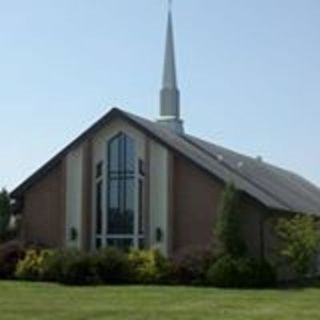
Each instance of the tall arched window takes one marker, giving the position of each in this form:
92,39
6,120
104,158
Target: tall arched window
121,173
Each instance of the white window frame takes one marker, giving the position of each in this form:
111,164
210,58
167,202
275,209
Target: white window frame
104,237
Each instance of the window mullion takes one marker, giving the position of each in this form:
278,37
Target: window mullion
122,192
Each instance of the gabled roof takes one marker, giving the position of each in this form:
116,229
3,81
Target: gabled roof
273,187
293,191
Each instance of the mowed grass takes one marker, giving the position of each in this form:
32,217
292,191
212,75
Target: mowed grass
48,301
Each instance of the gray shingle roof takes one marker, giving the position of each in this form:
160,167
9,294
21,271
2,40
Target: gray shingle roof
295,192
272,186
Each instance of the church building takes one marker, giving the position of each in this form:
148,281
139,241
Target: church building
131,182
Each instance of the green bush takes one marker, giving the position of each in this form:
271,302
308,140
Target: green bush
191,265
29,267
230,272
223,273
112,266
143,266
78,268
75,267
260,274
149,266
300,239
71,267
52,266
165,269
10,254
228,226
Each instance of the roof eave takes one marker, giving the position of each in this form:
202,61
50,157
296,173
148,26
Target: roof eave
26,184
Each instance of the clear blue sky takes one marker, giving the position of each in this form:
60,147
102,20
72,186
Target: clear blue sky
248,70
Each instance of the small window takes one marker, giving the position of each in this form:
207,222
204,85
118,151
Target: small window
141,167
99,169
140,205
99,208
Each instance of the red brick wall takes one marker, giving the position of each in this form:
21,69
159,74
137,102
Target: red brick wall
196,200
43,217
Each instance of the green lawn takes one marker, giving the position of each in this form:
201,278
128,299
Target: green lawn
46,301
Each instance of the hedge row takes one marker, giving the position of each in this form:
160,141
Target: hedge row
111,266
108,266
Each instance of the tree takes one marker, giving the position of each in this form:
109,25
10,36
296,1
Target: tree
227,229
300,240
5,211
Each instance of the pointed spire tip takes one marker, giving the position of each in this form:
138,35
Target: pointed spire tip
169,72
169,94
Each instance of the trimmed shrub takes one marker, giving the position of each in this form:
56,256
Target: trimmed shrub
143,266
112,266
165,269
191,265
300,239
150,266
74,267
71,267
52,266
10,254
230,272
260,274
223,273
78,268
29,267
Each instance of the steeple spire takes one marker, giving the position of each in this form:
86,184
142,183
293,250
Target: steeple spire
170,95
169,71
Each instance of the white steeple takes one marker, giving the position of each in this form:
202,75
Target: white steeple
170,95
169,72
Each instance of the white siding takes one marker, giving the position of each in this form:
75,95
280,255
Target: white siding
100,154
101,139
74,177
159,204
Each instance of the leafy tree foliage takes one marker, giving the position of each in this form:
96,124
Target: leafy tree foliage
300,238
5,211
227,229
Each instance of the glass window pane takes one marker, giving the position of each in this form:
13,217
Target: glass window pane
129,185
113,198
98,243
99,208
141,167
113,207
121,187
121,207
141,220
121,161
114,154
130,155
124,244
141,244
99,169
128,223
